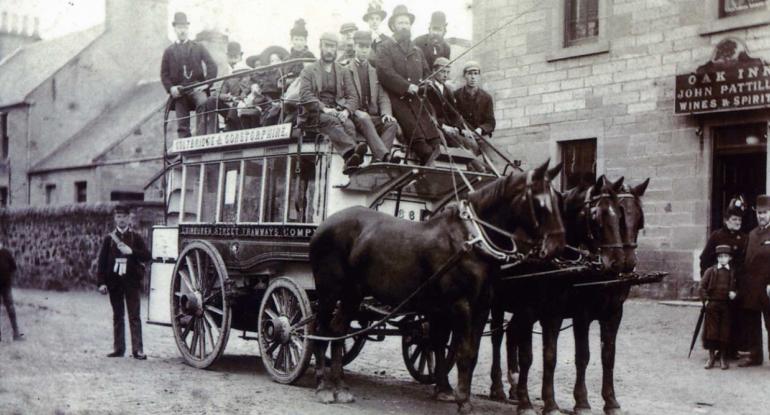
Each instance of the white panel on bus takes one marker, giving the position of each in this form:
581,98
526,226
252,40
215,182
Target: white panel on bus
165,242
159,310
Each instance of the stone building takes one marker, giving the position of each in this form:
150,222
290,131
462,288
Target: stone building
677,91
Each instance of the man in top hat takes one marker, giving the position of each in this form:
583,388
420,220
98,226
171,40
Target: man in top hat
119,273
374,118
326,88
347,30
7,270
754,287
433,44
299,47
373,18
401,67
186,62
230,95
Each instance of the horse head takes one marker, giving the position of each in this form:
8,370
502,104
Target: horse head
630,202
539,207
593,220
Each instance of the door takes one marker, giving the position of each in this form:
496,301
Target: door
740,160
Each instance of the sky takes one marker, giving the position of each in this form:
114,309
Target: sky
256,24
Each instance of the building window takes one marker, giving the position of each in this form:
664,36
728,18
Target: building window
3,196
581,21
733,7
579,157
126,196
81,191
50,194
4,135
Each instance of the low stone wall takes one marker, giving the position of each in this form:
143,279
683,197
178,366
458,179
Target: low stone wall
56,248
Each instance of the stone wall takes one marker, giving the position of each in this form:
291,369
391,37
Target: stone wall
56,248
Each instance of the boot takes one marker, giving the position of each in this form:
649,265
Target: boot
712,359
723,360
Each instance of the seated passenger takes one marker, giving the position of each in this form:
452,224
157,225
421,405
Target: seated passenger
373,17
298,47
327,89
374,118
348,51
250,108
232,93
477,109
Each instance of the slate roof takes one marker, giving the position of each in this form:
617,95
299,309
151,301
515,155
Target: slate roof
109,128
28,67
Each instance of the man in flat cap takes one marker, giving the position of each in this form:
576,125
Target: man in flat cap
477,108
326,88
186,62
299,47
401,67
348,51
433,44
119,273
754,287
374,118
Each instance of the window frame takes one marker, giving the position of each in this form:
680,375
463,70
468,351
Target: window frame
4,139
714,22
560,51
78,190
564,144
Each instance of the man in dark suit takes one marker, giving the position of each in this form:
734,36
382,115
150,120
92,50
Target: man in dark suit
754,287
186,62
326,88
373,17
401,67
120,273
374,118
433,44
7,270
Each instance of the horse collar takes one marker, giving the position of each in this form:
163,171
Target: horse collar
478,237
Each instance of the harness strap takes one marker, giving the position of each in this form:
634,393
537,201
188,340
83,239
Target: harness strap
479,237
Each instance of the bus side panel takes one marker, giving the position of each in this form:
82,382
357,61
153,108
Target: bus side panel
165,249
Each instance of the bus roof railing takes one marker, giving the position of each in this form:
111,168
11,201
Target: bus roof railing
241,74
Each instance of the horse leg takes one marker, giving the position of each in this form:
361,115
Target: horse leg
470,322
512,357
439,337
497,392
324,391
609,332
524,337
580,326
551,327
341,324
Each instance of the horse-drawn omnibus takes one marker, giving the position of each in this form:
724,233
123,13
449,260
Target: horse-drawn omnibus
241,207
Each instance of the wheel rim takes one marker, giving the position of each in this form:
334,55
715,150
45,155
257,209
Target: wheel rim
284,348
200,309
419,358
351,347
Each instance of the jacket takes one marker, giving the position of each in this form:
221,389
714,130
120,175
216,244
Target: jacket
756,269
432,50
379,102
109,252
445,106
736,240
181,66
477,110
311,80
717,284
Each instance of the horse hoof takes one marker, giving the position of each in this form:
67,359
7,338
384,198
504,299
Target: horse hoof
613,411
465,408
552,412
325,395
526,411
582,411
445,396
512,396
497,394
344,396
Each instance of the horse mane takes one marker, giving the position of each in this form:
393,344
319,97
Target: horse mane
500,189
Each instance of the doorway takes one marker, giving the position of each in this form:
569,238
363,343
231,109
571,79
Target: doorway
740,160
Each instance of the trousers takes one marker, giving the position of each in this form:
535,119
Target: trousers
189,101
379,135
7,298
125,296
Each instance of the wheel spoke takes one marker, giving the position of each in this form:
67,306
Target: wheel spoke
276,306
286,358
194,343
271,313
209,330
186,279
278,358
214,309
186,331
272,347
211,323
423,360
413,357
191,270
202,339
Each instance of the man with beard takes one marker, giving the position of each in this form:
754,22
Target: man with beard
755,287
433,44
401,66
326,88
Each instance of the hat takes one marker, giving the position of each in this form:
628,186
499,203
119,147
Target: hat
264,57
348,27
234,49
763,203
437,19
362,36
180,19
374,9
470,65
724,249
399,10
329,37
124,209
298,29
440,62
253,61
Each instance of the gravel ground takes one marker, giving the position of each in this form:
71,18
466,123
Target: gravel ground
61,369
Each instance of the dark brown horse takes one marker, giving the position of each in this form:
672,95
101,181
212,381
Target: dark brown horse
592,223
360,252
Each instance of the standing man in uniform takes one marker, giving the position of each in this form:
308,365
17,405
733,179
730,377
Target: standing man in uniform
754,289
433,44
184,63
7,270
374,118
120,274
401,67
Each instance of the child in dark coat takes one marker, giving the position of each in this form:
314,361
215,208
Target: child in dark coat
717,289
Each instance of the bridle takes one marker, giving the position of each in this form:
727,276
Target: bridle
589,204
628,195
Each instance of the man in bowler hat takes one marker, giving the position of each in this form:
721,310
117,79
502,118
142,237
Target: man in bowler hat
754,287
186,62
119,273
433,44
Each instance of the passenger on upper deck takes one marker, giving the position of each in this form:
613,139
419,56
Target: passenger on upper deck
477,108
269,79
374,118
433,44
348,51
299,46
230,95
373,17
401,66
186,62
326,88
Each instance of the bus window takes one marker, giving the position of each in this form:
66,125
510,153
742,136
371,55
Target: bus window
191,189
275,189
209,196
305,199
252,190
174,195
230,189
